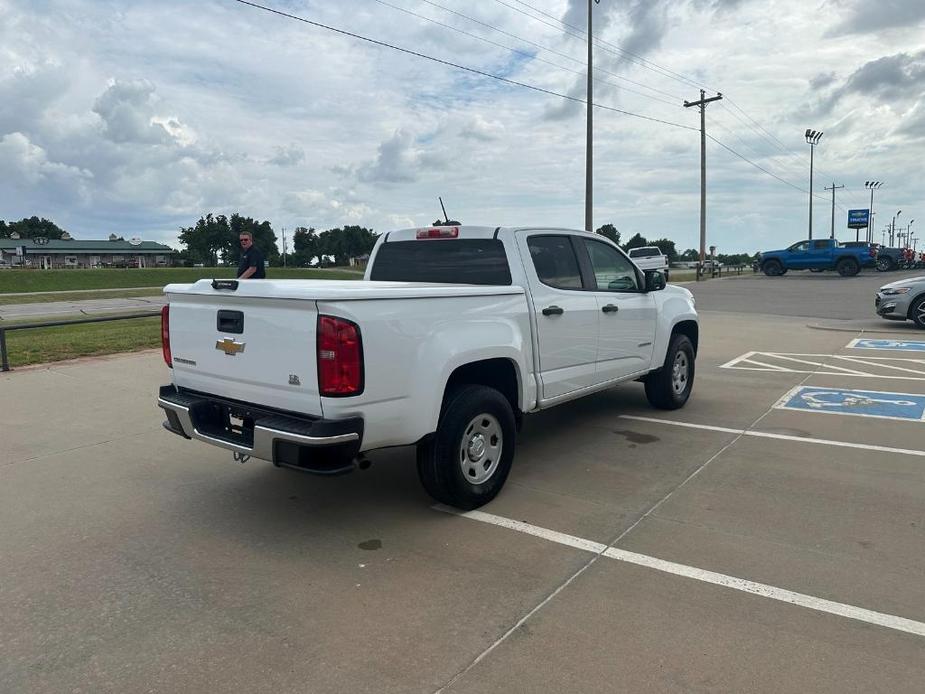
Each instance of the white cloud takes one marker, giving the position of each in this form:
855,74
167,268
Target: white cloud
143,118
25,164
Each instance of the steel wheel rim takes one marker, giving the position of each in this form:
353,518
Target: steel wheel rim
920,311
680,373
480,448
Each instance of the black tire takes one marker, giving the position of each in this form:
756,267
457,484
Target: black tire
885,264
848,267
773,268
447,462
917,312
666,389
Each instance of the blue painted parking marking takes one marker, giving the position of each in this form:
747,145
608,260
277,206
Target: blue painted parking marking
855,403
899,345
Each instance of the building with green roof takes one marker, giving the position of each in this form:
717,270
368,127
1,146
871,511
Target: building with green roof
52,254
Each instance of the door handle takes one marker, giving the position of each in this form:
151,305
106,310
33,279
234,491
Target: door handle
553,311
610,308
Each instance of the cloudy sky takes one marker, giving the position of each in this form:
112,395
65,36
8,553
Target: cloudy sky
138,117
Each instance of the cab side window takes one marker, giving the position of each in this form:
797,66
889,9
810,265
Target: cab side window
555,262
612,270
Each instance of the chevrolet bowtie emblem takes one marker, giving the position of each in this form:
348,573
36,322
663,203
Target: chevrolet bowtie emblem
229,346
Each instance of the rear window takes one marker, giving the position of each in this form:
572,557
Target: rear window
644,252
451,261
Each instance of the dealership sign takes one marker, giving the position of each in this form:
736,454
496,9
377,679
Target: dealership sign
858,219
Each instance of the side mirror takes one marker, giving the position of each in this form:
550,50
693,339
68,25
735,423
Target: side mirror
655,280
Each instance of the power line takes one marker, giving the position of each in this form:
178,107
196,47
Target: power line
523,53
607,45
761,168
550,50
750,123
448,63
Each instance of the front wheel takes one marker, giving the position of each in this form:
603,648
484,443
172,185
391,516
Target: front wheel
468,459
917,312
670,387
885,264
772,268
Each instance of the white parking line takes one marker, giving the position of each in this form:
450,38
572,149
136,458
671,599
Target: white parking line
864,366
782,437
761,589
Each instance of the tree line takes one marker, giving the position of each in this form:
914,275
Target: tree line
30,228
214,239
667,247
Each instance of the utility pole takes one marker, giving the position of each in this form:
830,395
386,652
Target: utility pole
872,185
589,215
703,172
833,189
285,251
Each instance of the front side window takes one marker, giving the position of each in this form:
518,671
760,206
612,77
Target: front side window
613,271
800,247
555,262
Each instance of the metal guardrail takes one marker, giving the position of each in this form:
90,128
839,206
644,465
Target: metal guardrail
4,329
720,271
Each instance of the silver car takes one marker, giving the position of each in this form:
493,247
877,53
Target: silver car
903,300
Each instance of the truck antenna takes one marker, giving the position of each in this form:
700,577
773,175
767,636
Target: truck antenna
447,219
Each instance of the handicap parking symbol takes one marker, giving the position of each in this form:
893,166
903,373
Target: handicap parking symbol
858,403
898,345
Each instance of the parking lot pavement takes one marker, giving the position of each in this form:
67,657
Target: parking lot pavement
733,545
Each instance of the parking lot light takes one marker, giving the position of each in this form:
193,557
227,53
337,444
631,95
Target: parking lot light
812,139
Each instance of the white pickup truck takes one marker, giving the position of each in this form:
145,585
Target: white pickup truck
650,258
453,336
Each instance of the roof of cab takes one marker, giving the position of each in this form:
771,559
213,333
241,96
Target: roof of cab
475,232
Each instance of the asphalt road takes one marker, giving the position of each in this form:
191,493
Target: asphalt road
751,547
88,307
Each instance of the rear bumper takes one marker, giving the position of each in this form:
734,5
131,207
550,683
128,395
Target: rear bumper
283,438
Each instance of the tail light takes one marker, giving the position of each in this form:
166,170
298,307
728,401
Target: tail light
165,335
340,357
438,233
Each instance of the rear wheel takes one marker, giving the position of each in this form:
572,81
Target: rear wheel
773,268
917,312
467,461
670,387
848,267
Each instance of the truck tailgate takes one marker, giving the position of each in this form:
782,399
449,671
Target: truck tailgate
236,345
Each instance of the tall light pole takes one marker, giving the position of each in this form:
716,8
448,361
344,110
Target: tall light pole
589,216
893,228
702,103
872,185
812,139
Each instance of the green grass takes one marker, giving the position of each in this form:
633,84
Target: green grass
68,342
13,281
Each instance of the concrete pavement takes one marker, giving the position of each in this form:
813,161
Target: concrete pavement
88,307
134,560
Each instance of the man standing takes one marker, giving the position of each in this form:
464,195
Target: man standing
252,264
